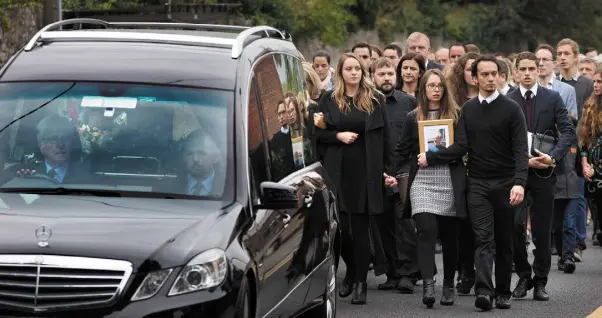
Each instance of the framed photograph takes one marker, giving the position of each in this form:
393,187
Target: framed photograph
298,152
435,134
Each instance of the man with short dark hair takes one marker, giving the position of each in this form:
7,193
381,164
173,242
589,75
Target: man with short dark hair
364,51
393,52
545,115
456,51
492,130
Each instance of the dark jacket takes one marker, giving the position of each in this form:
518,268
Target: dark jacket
567,182
379,155
550,117
406,153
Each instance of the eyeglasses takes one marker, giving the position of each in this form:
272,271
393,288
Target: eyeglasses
433,87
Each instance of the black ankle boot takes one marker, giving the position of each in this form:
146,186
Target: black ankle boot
359,293
448,293
346,288
428,292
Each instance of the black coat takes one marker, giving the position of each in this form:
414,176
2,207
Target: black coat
406,156
379,155
551,118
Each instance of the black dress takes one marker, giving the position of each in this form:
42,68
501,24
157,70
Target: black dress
352,188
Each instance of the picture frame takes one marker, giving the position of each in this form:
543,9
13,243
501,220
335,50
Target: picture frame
435,134
298,155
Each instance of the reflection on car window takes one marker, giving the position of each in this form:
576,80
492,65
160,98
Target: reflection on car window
115,136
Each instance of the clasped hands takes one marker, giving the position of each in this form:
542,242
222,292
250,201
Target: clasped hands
588,171
543,161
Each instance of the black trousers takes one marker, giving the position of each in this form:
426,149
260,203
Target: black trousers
492,217
542,217
431,226
466,245
355,245
399,240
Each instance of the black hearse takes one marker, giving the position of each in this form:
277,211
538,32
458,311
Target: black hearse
161,170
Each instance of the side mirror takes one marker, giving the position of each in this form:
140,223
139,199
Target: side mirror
276,196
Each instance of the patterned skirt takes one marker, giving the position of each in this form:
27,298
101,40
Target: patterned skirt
432,191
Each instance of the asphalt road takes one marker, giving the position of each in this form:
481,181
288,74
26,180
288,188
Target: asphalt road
571,295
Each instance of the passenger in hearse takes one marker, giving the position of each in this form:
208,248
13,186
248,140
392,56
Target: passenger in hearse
204,171
59,155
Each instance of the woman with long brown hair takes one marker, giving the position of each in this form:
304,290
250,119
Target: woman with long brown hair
359,161
462,88
409,71
589,133
436,193
460,82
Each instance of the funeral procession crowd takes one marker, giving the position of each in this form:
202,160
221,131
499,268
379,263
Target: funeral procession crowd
463,153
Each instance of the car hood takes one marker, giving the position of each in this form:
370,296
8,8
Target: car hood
150,233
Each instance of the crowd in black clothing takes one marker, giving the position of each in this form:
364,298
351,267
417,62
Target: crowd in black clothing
474,188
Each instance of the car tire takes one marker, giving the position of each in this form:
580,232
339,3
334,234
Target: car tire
243,303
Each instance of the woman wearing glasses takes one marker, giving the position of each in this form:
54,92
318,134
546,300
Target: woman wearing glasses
436,193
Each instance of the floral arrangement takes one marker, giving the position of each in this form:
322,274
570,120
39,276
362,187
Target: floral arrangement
90,137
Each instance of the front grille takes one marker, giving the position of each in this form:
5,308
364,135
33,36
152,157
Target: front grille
40,283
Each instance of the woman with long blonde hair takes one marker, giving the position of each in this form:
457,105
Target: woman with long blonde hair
353,129
436,193
589,133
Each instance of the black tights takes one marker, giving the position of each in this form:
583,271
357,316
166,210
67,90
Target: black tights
430,226
355,245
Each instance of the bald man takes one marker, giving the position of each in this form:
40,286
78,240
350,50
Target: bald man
442,56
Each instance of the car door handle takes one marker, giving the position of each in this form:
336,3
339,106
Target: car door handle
285,218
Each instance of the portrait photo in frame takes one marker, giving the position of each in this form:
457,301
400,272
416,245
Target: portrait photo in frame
435,134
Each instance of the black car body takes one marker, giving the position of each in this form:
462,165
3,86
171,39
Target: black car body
118,233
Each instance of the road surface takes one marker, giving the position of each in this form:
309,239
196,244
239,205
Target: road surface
571,295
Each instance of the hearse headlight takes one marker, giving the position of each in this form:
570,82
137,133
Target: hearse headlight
206,270
151,284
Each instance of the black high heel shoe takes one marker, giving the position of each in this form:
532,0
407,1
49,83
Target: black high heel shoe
428,293
346,288
359,293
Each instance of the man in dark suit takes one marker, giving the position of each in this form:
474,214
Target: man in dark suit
545,113
60,148
204,174
419,43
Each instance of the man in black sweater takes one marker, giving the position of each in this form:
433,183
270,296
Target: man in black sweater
492,129
398,235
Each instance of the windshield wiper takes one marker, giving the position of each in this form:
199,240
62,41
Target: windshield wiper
116,193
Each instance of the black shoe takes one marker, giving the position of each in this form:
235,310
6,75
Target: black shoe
405,285
523,285
465,286
569,266
502,302
483,302
448,293
554,251
560,264
359,293
540,293
390,284
346,288
428,293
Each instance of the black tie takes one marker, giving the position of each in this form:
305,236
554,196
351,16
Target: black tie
528,95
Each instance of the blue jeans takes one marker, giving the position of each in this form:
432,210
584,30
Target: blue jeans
578,209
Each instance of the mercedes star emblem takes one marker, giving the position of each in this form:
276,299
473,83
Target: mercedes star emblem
43,233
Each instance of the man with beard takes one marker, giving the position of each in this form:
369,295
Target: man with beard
398,234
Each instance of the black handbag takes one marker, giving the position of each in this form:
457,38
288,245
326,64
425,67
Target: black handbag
542,142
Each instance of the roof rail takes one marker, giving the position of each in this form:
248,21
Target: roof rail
236,44
239,43
32,43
